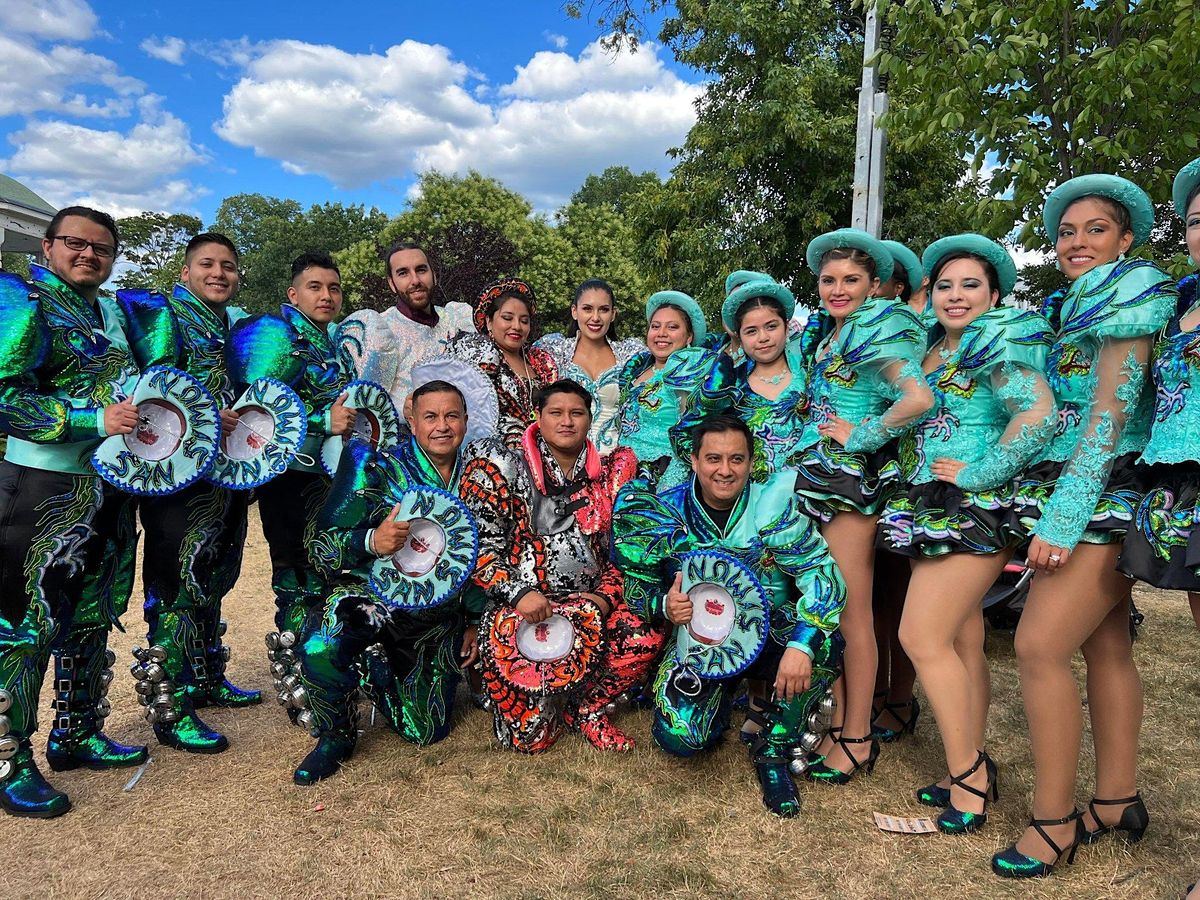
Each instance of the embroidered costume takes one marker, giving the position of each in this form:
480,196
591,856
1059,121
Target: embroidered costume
605,390
293,349
992,410
67,539
384,347
770,533
194,537
1084,487
869,374
544,530
1163,547
406,660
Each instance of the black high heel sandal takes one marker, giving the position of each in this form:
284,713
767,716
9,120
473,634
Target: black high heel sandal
954,820
1133,823
908,724
821,772
1012,863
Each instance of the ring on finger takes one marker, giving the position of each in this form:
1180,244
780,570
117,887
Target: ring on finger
1055,557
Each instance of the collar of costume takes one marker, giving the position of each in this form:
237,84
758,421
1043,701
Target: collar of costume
493,292
1123,298
1114,187
424,468
855,239
1006,269
306,327
43,277
706,528
1185,183
548,476
218,322
427,317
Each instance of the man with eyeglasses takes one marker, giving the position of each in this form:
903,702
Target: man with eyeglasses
67,538
194,537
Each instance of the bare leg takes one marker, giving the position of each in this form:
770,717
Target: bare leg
969,647
1063,611
936,629
1114,691
851,539
1194,600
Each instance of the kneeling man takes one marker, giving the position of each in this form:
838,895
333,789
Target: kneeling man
765,528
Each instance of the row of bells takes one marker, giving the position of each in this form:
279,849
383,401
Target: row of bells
103,707
818,724
285,674
154,687
9,745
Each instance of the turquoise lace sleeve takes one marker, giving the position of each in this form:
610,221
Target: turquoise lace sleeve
911,399
1118,377
1030,404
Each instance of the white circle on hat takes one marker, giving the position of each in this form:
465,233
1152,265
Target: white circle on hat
546,641
713,612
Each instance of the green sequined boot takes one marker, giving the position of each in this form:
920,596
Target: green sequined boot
81,678
24,791
213,688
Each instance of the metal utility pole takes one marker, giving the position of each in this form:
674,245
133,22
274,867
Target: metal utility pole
870,142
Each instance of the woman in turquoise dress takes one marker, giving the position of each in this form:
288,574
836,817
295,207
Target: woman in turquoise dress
866,389
591,354
993,411
655,380
767,389
1080,500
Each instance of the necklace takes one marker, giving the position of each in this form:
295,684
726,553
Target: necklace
944,352
773,379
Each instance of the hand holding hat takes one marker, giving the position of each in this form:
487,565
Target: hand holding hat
678,604
120,418
390,535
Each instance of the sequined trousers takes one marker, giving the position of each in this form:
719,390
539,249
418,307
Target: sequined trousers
67,558
288,506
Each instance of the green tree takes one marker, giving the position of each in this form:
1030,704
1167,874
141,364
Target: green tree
17,263
152,245
270,232
1049,89
614,187
769,162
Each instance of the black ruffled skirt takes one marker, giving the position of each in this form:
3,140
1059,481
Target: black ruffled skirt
937,518
1163,547
830,480
1114,511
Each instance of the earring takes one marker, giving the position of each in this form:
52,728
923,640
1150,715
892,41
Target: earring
1120,256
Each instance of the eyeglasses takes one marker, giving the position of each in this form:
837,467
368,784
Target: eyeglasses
104,251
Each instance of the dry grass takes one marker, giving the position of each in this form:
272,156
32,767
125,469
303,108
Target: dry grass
465,819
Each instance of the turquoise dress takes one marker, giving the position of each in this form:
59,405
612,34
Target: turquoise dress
776,424
993,410
1084,487
649,409
605,390
870,375
1163,547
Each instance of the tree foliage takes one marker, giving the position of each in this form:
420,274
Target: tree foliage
615,187
270,232
1050,89
152,246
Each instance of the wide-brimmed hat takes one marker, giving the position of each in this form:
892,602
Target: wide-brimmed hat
990,250
731,615
174,442
853,238
735,280
908,261
1185,183
547,657
1114,187
681,300
438,556
483,409
376,421
272,424
747,292
493,292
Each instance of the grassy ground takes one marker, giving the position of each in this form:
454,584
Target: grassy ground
465,819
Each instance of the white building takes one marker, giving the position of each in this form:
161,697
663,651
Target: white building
23,218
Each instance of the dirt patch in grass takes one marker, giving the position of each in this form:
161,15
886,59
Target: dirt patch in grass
465,819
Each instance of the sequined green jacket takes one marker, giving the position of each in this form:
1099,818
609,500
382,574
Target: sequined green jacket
62,360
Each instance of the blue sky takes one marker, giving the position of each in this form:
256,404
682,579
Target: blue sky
173,106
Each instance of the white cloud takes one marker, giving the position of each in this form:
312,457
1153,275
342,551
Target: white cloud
122,172
62,79
557,41
168,49
363,118
67,20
